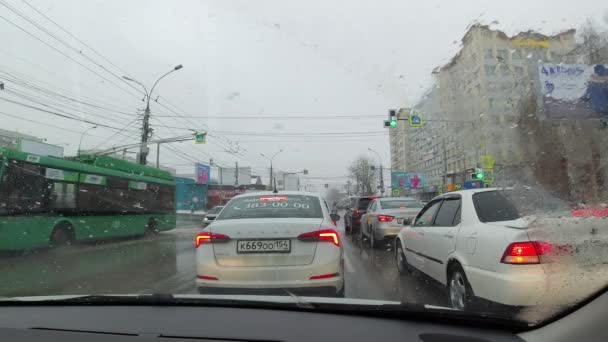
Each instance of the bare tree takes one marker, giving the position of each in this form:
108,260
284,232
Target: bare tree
594,43
361,172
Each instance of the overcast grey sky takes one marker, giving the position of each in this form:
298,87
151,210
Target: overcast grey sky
250,59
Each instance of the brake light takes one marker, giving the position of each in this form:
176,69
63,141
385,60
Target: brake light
324,235
522,253
206,277
385,218
207,237
274,198
357,212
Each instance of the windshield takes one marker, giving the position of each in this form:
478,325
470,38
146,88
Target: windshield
363,203
272,206
480,126
400,204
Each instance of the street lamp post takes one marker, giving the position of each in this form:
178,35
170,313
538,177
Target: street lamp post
381,171
82,136
143,150
270,159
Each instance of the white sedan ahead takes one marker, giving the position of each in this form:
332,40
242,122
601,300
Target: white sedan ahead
278,243
385,217
476,243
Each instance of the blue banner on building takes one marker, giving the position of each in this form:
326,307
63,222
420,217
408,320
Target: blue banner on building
203,173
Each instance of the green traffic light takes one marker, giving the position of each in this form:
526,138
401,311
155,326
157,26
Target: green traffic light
479,175
393,123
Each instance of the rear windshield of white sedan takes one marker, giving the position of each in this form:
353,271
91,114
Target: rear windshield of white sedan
272,206
400,204
493,206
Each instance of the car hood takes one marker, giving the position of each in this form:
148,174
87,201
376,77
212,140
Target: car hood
246,298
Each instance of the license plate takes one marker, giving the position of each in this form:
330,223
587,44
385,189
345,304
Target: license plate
263,246
399,221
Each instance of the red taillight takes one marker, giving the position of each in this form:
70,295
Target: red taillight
325,276
357,213
522,253
207,237
206,277
323,235
274,198
385,218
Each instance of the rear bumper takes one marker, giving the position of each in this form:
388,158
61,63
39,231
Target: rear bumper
327,291
327,261
518,285
331,285
384,231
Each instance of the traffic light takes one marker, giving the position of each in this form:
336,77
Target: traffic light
392,119
479,173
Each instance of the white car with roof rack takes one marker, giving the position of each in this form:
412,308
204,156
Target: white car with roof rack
476,243
269,242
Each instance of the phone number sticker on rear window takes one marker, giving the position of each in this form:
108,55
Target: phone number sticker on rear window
272,206
295,205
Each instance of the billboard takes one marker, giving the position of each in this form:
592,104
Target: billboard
203,173
407,180
228,175
574,91
39,148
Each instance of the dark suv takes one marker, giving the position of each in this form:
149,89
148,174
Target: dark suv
356,208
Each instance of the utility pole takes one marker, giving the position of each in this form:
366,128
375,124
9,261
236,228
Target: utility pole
158,155
211,163
143,149
236,174
271,184
381,180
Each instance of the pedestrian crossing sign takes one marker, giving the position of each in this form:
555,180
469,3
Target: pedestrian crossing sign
488,175
200,138
415,120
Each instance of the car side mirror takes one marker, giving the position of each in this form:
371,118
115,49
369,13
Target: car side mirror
335,217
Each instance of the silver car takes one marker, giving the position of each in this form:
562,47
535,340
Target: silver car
386,216
211,215
271,243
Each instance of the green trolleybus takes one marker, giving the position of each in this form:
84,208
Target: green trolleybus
48,201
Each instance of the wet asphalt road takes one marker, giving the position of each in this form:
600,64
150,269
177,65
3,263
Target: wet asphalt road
165,264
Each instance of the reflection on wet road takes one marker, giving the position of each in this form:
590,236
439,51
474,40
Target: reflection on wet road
165,264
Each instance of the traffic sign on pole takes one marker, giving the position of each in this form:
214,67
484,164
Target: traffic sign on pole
415,120
200,138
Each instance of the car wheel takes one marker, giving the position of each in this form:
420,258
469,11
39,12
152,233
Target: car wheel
460,293
62,236
361,236
402,266
342,292
151,228
372,241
